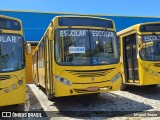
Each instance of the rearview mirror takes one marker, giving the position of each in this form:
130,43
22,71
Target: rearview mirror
28,48
139,40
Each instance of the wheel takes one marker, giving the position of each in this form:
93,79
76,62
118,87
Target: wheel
92,94
50,96
35,81
95,94
19,107
155,85
37,84
123,86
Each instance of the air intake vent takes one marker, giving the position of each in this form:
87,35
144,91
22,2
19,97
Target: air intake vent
90,73
4,77
157,64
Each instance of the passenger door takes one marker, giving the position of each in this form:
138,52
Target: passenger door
47,75
130,58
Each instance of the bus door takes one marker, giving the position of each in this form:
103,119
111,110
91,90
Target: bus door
130,58
35,68
48,66
47,81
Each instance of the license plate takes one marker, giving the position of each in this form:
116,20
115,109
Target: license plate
95,88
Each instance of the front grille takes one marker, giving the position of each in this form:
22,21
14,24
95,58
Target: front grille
4,77
90,73
92,82
157,64
84,90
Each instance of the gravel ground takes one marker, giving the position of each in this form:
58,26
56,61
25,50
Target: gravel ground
121,105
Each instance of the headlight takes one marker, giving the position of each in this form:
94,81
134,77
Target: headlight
146,69
156,74
20,82
115,77
6,89
14,86
63,80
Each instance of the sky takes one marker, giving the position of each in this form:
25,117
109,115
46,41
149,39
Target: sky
107,7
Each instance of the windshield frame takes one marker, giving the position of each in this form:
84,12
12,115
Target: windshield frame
89,45
145,48
23,52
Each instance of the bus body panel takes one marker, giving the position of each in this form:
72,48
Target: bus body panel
84,77
77,89
13,96
149,73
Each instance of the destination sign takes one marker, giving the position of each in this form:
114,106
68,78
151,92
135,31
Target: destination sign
77,21
77,33
151,38
102,33
81,33
150,28
9,24
9,38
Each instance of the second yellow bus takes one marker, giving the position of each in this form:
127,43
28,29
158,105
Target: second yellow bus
140,54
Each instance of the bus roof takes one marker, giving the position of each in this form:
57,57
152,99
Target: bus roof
80,16
136,27
8,17
77,21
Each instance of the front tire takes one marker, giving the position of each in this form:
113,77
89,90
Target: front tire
123,87
36,82
155,85
50,96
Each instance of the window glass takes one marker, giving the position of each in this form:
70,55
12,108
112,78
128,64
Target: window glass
151,48
86,47
11,52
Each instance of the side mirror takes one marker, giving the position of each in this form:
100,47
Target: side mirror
139,40
28,48
50,33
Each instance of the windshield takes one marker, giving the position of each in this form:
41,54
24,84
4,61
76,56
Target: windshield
11,52
150,47
86,47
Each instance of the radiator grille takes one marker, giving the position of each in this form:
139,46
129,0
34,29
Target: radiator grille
157,64
90,73
4,77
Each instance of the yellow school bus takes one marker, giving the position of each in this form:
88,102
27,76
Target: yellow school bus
77,55
12,62
140,54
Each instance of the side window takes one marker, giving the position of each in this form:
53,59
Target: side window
119,45
41,54
35,58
